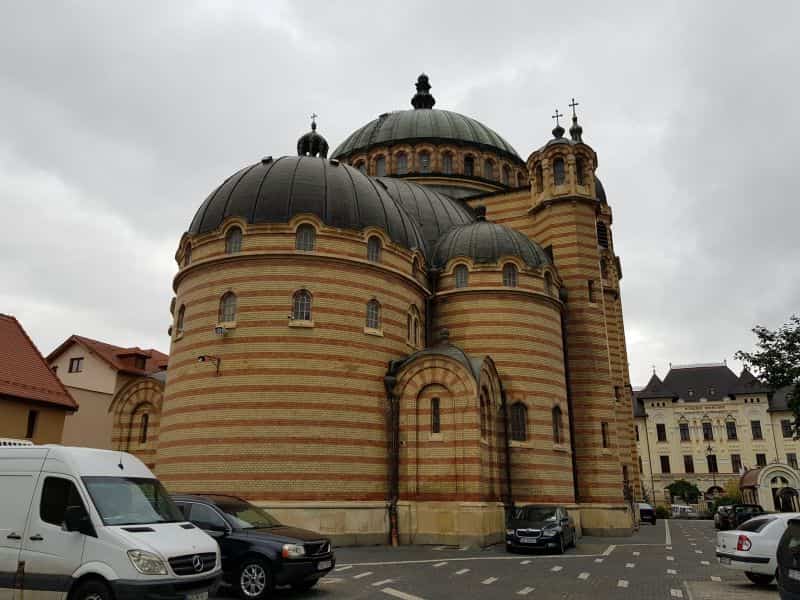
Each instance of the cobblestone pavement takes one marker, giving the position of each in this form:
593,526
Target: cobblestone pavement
673,559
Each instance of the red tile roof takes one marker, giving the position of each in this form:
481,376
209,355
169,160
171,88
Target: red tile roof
119,358
24,374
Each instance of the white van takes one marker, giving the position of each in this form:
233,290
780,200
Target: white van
89,524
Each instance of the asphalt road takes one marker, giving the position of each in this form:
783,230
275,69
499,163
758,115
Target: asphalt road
673,559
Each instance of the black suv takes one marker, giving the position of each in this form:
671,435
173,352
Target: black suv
257,551
788,572
540,527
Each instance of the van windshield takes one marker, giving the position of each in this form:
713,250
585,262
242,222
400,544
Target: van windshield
132,501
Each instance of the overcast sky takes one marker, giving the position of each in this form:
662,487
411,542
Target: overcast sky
117,119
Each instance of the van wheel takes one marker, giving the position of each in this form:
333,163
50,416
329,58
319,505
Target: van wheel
759,578
255,580
92,590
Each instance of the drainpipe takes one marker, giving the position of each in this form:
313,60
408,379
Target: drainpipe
509,502
562,293
393,427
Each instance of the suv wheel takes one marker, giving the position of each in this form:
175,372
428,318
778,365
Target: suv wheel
759,578
255,580
560,549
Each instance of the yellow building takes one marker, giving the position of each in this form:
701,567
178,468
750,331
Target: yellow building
406,338
704,424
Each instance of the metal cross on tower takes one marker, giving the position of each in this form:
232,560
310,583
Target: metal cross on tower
557,116
572,105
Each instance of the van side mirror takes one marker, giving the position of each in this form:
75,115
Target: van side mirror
77,519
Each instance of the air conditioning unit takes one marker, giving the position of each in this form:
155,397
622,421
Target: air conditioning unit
220,330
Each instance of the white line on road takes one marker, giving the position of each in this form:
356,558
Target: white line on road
670,558
676,593
344,568
440,564
598,560
525,591
382,582
715,578
556,569
671,572
637,553
609,550
360,575
462,571
668,538
489,580
331,580
399,594
705,563
622,583
669,547
583,576
630,565
464,548
698,551
525,562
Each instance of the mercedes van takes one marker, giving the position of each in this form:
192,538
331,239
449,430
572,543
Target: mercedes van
88,524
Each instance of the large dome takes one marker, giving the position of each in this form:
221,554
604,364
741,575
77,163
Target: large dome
429,124
274,191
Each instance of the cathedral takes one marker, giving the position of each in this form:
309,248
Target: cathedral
402,338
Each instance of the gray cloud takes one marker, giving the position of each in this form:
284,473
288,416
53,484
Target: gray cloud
118,119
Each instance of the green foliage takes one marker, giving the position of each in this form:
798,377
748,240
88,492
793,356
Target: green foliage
684,489
662,512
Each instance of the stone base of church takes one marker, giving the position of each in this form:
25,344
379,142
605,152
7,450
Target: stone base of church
451,523
610,520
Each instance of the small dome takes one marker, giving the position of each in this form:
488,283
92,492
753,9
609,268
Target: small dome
600,191
274,191
312,143
487,242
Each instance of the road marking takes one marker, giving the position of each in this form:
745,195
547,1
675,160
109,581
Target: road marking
383,582
630,565
698,551
360,575
705,562
693,544
525,591
440,548
669,547
462,571
399,594
609,550
598,560
637,553
622,583
464,548
556,569
583,576
440,564
667,538
671,572
489,580
670,558
331,580
676,593
715,578
344,568
525,562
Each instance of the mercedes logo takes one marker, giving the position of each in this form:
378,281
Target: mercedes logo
197,563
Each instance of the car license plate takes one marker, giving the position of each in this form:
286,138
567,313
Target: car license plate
324,564
794,574
197,596
527,540
723,560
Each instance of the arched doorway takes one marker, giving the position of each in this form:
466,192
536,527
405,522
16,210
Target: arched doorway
784,497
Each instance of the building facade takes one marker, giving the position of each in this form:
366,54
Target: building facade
403,340
704,424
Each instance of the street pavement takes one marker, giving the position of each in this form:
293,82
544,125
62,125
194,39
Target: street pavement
673,559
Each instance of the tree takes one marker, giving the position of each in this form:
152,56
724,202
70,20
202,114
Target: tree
684,489
776,361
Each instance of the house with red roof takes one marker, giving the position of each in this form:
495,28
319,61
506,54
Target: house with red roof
33,401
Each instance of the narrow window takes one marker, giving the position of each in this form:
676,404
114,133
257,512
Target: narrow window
436,417
506,176
409,325
604,433
301,306
469,166
233,240
548,284
462,276
579,166
181,317
755,427
761,460
590,285
664,464
143,428
447,164
33,418
559,171
661,432
641,468
711,459
76,364
373,314
424,162
684,429
708,432
519,422
402,163
637,432
791,459
306,238
484,410
736,463
602,235
374,249
539,176
227,308
380,166
730,427
187,255
786,428
488,169
557,436
510,275
688,464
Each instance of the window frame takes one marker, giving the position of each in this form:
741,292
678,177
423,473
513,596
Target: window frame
233,240
302,306
791,459
711,463
664,460
786,428
380,166
374,248
179,322
519,422
661,432
447,163
756,430
72,487
510,275
469,165
761,463
401,163
688,463
424,160
436,416
604,435
683,428
559,174
305,238
731,431
76,364
736,463
557,417
708,431
461,276
228,306
373,316
488,169
144,423
33,421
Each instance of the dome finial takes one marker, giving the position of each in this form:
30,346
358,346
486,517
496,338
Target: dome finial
312,143
576,131
423,98
558,130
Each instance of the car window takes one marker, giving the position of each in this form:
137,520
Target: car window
57,495
756,525
184,508
206,517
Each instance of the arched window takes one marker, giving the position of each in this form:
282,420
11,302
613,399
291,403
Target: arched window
469,166
413,326
488,169
579,168
187,255
548,284
424,162
233,240
506,175
402,163
380,166
143,428
227,308
301,306
510,275
373,314
447,164
362,166
602,234
436,416
181,316
484,416
306,238
557,433
519,422
604,269
559,171
462,276
374,248
539,176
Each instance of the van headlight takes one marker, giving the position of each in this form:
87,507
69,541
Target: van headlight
293,551
550,532
147,563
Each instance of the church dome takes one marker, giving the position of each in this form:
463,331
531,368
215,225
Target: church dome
487,242
274,191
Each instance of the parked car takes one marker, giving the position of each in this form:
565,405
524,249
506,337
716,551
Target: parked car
682,511
738,514
258,552
721,516
788,573
753,546
540,527
647,513
89,524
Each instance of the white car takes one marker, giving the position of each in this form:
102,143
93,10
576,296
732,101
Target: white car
753,547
